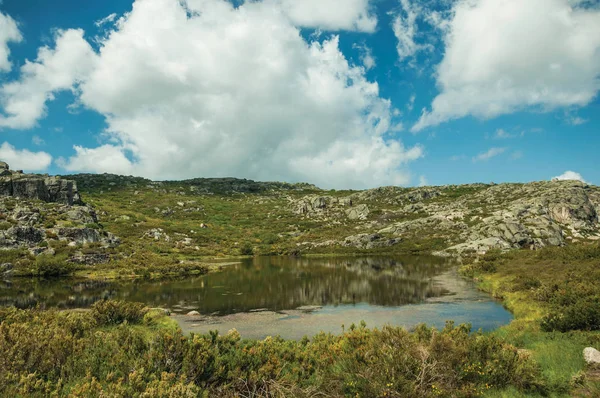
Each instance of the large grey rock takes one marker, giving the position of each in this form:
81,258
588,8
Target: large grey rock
360,212
33,186
26,234
480,246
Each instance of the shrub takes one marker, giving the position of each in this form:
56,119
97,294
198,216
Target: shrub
50,266
246,249
582,315
111,312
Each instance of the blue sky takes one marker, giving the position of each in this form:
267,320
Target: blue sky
373,93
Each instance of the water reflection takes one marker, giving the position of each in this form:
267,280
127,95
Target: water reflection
271,283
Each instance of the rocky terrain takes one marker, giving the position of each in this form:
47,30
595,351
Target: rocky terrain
45,216
174,225
469,218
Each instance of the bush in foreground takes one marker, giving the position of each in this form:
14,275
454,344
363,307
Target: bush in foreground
79,354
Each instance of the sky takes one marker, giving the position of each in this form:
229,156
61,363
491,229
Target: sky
339,93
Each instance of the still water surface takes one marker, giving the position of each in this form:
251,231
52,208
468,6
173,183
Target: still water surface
290,297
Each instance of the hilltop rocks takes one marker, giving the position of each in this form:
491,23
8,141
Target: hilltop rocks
312,206
33,186
469,218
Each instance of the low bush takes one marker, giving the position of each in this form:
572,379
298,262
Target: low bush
52,266
110,312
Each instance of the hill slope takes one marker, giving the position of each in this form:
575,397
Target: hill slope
175,226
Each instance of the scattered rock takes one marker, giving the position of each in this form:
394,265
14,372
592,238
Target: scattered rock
193,313
5,268
591,355
90,259
369,241
157,234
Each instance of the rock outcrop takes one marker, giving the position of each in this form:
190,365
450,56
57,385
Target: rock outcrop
471,218
43,215
41,187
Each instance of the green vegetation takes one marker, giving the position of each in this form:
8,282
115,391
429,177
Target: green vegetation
122,349
176,228
554,294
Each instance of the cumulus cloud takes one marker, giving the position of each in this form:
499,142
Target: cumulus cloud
215,90
332,15
570,175
24,159
503,56
54,70
106,158
9,33
491,153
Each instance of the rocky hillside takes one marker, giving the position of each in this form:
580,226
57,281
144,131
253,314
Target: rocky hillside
44,217
174,226
469,218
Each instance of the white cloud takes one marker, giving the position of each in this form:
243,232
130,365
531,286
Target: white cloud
502,134
106,158
37,140
24,101
214,90
576,120
492,152
503,56
411,103
405,29
9,33
423,181
331,15
570,175
107,20
24,159
366,56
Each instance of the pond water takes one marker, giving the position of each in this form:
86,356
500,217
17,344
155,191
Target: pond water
291,297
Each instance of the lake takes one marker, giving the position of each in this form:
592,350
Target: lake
291,297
